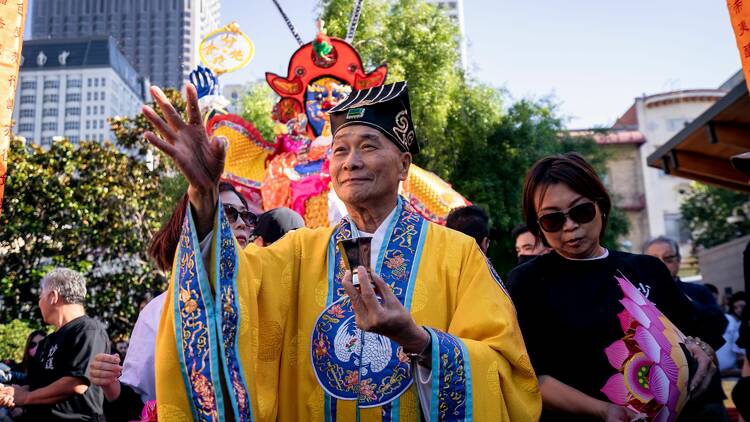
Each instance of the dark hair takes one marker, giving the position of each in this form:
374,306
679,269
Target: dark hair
665,240
572,170
470,220
164,243
736,297
228,187
518,230
26,361
712,288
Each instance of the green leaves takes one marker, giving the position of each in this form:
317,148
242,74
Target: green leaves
467,136
705,210
89,207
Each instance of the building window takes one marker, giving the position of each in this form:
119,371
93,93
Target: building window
28,85
74,83
88,95
94,113
88,124
676,124
104,82
101,124
73,111
72,97
88,110
72,125
101,109
27,99
51,98
96,81
96,96
74,139
88,82
675,228
49,112
103,96
26,127
29,112
49,126
51,84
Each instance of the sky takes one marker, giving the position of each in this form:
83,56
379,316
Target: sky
592,56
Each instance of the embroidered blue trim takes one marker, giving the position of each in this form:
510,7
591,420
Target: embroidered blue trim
451,378
195,334
469,407
226,260
381,372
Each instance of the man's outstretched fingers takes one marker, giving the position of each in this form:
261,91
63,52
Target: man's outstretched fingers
170,114
160,125
194,111
163,145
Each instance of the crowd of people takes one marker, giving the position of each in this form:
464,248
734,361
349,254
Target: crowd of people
265,320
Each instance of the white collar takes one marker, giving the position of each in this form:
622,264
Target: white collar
602,256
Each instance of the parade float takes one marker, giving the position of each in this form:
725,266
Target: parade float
291,170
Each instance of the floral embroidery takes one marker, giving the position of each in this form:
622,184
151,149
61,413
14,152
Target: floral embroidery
207,335
355,365
229,321
193,329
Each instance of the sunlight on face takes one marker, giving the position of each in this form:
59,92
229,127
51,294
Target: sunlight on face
366,166
240,229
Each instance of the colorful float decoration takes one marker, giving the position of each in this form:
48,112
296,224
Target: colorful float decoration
227,49
292,170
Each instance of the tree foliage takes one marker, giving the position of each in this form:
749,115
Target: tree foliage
469,136
257,103
90,207
705,210
14,335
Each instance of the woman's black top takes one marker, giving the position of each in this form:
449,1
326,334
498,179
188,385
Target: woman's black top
567,310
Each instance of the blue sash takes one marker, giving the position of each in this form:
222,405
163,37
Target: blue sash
355,365
205,329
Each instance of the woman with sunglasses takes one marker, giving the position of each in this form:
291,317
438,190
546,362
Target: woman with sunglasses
568,300
129,386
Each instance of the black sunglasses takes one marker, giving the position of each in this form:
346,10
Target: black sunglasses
232,213
554,221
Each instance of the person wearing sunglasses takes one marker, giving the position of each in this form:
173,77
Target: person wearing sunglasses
242,220
568,300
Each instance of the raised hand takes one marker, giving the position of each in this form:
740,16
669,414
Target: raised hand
385,316
105,371
200,159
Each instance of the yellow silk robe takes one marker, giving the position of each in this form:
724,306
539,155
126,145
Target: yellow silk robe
279,293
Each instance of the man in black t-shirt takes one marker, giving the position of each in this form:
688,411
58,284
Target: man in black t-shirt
59,387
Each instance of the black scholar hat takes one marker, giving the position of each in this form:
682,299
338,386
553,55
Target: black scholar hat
385,108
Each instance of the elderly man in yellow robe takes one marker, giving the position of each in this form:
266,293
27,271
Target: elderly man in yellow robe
287,333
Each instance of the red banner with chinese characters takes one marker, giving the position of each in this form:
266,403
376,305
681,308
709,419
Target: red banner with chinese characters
12,22
739,14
